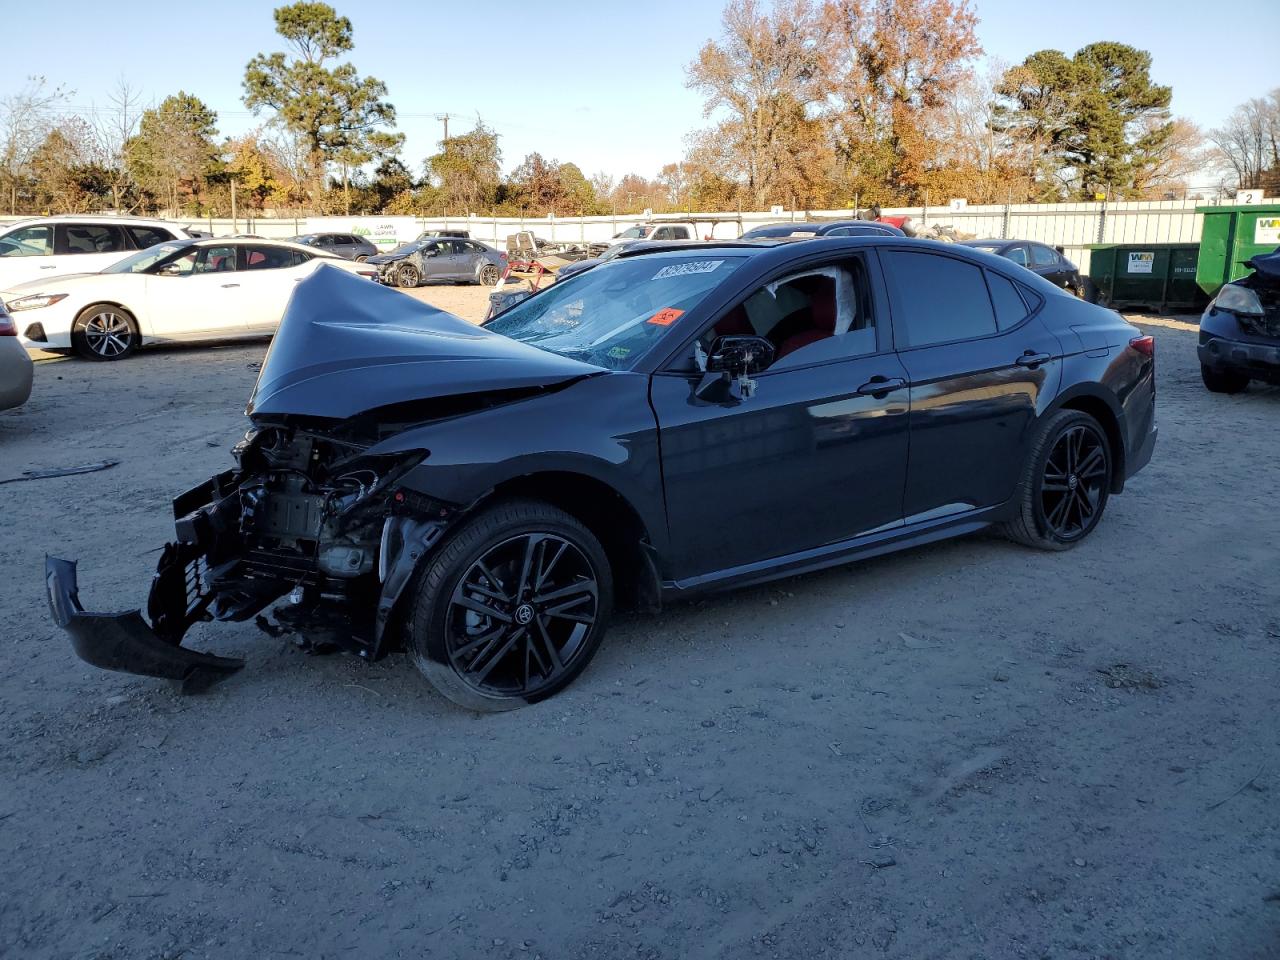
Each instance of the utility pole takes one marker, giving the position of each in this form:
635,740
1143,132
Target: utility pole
444,117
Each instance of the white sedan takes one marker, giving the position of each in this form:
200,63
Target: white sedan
208,289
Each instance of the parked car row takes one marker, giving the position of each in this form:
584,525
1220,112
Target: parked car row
176,290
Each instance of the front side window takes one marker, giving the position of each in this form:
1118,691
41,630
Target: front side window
822,313
613,314
73,238
940,298
28,242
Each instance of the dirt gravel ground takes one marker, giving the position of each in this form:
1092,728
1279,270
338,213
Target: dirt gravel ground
968,750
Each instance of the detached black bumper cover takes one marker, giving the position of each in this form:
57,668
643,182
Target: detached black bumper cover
125,641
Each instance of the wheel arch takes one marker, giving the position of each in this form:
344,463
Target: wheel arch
112,302
609,515
1106,410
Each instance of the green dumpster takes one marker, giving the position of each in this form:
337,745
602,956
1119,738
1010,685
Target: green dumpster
1155,276
1229,237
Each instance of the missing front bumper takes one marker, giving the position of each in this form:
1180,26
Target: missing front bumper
125,642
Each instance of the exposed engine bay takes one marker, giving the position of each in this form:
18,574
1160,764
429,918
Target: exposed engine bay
307,516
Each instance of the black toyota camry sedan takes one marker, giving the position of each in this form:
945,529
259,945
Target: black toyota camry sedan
674,421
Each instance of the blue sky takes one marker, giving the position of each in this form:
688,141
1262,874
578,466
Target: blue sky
600,84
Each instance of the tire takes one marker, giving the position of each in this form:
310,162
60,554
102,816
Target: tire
407,275
361,257
105,332
1223,381
467,627
1065,483
490,275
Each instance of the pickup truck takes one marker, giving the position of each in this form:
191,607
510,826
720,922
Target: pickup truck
657,231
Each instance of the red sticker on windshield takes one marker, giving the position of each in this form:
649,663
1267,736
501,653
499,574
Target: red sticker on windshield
666,317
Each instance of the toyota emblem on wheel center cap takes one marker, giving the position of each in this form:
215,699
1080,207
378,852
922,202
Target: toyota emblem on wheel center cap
524,614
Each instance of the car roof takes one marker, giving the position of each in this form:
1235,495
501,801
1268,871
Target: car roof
780,250
97,218
253,241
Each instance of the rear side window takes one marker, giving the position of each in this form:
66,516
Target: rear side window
272,258
1010,309
1018,255
1043,257
939,298
145,237
75,238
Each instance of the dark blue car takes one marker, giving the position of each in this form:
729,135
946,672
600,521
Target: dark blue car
681,419
1240,330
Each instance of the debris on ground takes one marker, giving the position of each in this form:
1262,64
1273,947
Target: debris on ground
61,471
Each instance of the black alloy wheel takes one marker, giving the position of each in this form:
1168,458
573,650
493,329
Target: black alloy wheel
1065,484
512,608
1074,482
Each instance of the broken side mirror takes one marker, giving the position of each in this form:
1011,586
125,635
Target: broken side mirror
740,356
730,366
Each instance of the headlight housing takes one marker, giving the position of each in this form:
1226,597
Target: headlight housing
35,301
1232,297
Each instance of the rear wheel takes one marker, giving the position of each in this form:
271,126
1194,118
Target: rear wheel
1065,483
489,275
512,608
1223,381
105,332
407,275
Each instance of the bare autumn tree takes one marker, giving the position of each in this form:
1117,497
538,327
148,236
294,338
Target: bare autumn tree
1249,142
112,128
26,120
761,77
890,65
1163,174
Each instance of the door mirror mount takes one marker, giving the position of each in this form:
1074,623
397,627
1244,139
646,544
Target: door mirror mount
730,366
740,356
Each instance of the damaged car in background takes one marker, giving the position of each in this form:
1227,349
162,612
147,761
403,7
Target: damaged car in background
678,420
1240,330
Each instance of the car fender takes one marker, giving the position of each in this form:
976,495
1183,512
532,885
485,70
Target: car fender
468,457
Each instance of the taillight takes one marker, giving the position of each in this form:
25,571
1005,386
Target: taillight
1144,345
7,327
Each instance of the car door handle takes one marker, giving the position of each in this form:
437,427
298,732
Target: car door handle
49,268
228,286
1030,359
879,386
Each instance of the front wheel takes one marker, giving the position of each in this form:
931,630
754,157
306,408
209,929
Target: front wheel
407,275
489,275
105,332
1223,381
512,608
1065,483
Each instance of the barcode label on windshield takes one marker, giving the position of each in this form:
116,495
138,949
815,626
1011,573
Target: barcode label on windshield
684,269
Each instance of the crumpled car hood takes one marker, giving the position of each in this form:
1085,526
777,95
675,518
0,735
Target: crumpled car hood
385,258
346,346
1266,265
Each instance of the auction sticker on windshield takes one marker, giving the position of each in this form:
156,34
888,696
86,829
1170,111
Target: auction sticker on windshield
685,269
666,316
